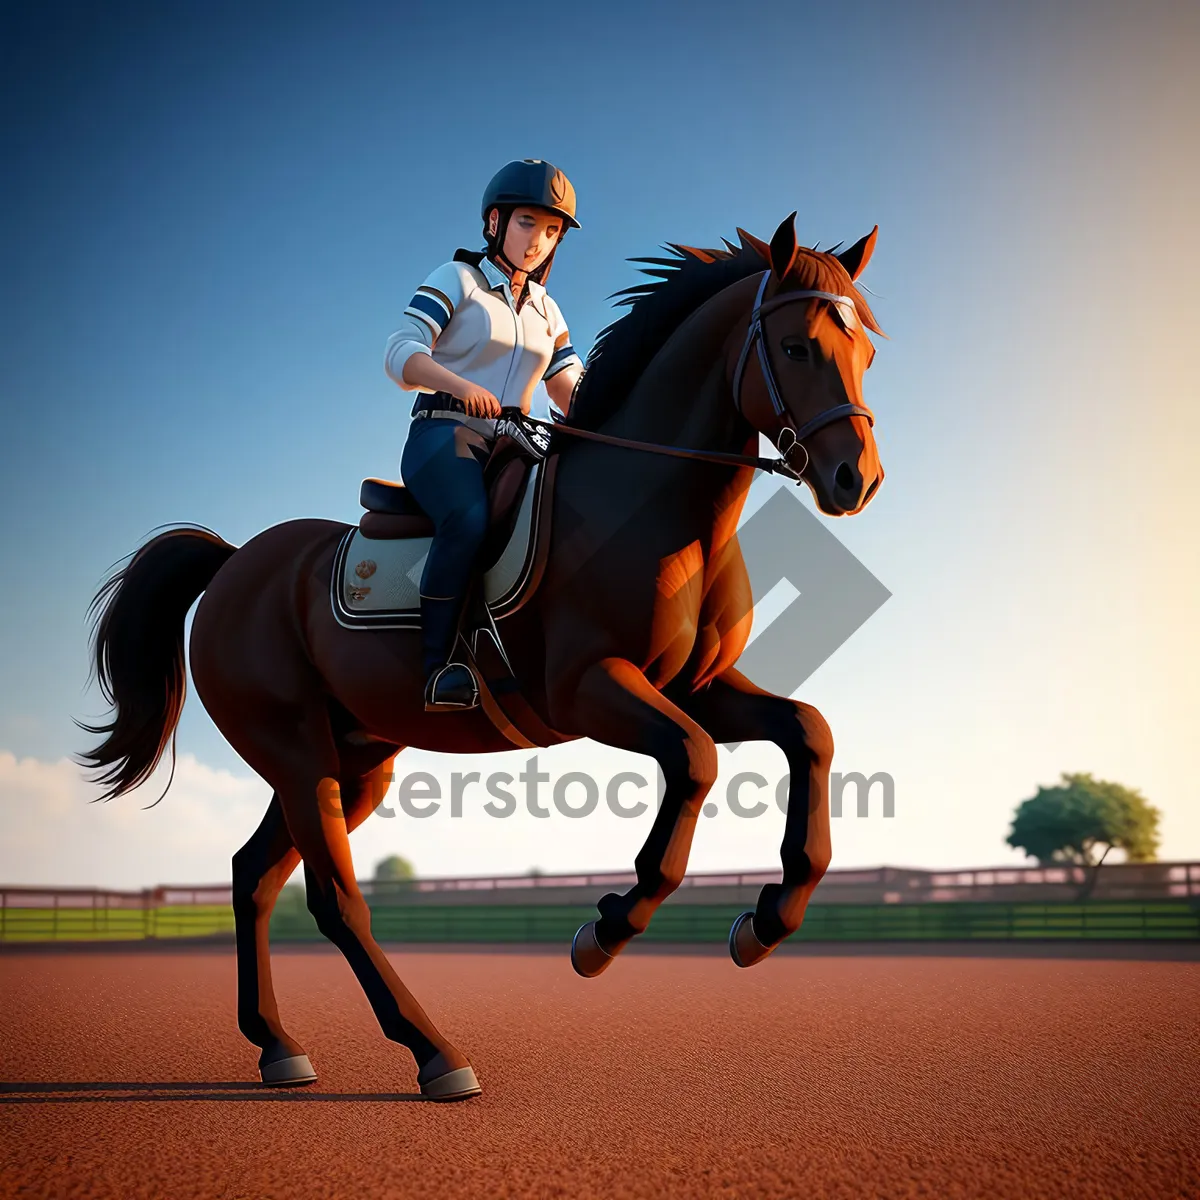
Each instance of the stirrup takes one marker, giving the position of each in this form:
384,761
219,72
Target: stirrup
452,688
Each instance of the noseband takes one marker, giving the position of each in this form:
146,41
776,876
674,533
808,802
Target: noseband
789,438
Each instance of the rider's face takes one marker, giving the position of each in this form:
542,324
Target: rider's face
532,234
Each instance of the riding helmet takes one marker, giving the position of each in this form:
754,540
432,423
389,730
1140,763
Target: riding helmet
534,182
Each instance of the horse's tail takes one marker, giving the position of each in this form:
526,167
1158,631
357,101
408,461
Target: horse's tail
137,651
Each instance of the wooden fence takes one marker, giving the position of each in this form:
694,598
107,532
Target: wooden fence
1151,900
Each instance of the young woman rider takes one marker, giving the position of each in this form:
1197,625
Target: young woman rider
480,333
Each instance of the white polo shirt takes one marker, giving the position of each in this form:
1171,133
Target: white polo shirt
466,319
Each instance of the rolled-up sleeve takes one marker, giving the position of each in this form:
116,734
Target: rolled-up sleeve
427,314
564,354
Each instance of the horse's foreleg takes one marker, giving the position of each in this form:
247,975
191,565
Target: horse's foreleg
732,709
615,704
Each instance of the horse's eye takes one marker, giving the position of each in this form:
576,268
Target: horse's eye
796,351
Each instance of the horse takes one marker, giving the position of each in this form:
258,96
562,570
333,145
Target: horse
631,638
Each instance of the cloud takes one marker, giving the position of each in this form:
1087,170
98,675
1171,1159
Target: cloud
947,814
51,833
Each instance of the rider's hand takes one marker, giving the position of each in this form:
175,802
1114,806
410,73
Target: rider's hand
480,402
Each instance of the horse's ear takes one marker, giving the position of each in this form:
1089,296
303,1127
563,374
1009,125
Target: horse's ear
784,247
856,258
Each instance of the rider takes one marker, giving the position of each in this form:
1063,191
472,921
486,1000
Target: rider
480,332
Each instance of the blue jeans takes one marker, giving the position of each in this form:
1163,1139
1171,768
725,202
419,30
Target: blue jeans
442,465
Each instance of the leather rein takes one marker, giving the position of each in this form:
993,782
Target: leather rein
754,339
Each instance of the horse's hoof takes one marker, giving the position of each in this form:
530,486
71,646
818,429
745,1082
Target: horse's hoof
588,957
288,1072
459,1084
744,947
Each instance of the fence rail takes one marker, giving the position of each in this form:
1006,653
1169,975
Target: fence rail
1152,900
1110,920
882,885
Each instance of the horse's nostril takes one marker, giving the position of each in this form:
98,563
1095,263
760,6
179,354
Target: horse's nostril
844,476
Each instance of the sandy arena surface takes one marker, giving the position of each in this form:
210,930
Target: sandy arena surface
671,1075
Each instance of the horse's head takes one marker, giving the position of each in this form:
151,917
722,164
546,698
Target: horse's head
797,376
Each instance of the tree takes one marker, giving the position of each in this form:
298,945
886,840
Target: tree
1068,822
393,868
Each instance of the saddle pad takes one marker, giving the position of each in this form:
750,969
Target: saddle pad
376,582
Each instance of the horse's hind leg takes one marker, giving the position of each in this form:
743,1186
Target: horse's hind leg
260,869
307,775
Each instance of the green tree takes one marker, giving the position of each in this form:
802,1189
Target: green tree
394,868
292,899
1069,822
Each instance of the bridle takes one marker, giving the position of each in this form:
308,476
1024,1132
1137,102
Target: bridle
756,339
787,446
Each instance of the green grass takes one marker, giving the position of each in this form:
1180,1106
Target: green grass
1159,920
114,924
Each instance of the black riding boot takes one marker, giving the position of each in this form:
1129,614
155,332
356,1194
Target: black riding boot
449,686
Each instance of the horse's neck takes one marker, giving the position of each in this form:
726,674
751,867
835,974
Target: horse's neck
683,399
683,390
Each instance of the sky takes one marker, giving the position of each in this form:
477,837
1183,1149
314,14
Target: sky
213,219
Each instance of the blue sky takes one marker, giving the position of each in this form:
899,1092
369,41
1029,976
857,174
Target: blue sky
215,217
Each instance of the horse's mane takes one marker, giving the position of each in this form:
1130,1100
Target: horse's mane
678,287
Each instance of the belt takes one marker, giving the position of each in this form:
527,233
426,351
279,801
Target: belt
442,404
438,402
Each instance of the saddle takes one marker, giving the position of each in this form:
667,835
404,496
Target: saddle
393,512
378,563
377,569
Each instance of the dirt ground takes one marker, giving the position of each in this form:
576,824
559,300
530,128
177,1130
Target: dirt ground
124,1075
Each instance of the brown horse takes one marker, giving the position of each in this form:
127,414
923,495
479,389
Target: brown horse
631,637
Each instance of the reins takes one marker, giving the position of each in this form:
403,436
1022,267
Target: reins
777,465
